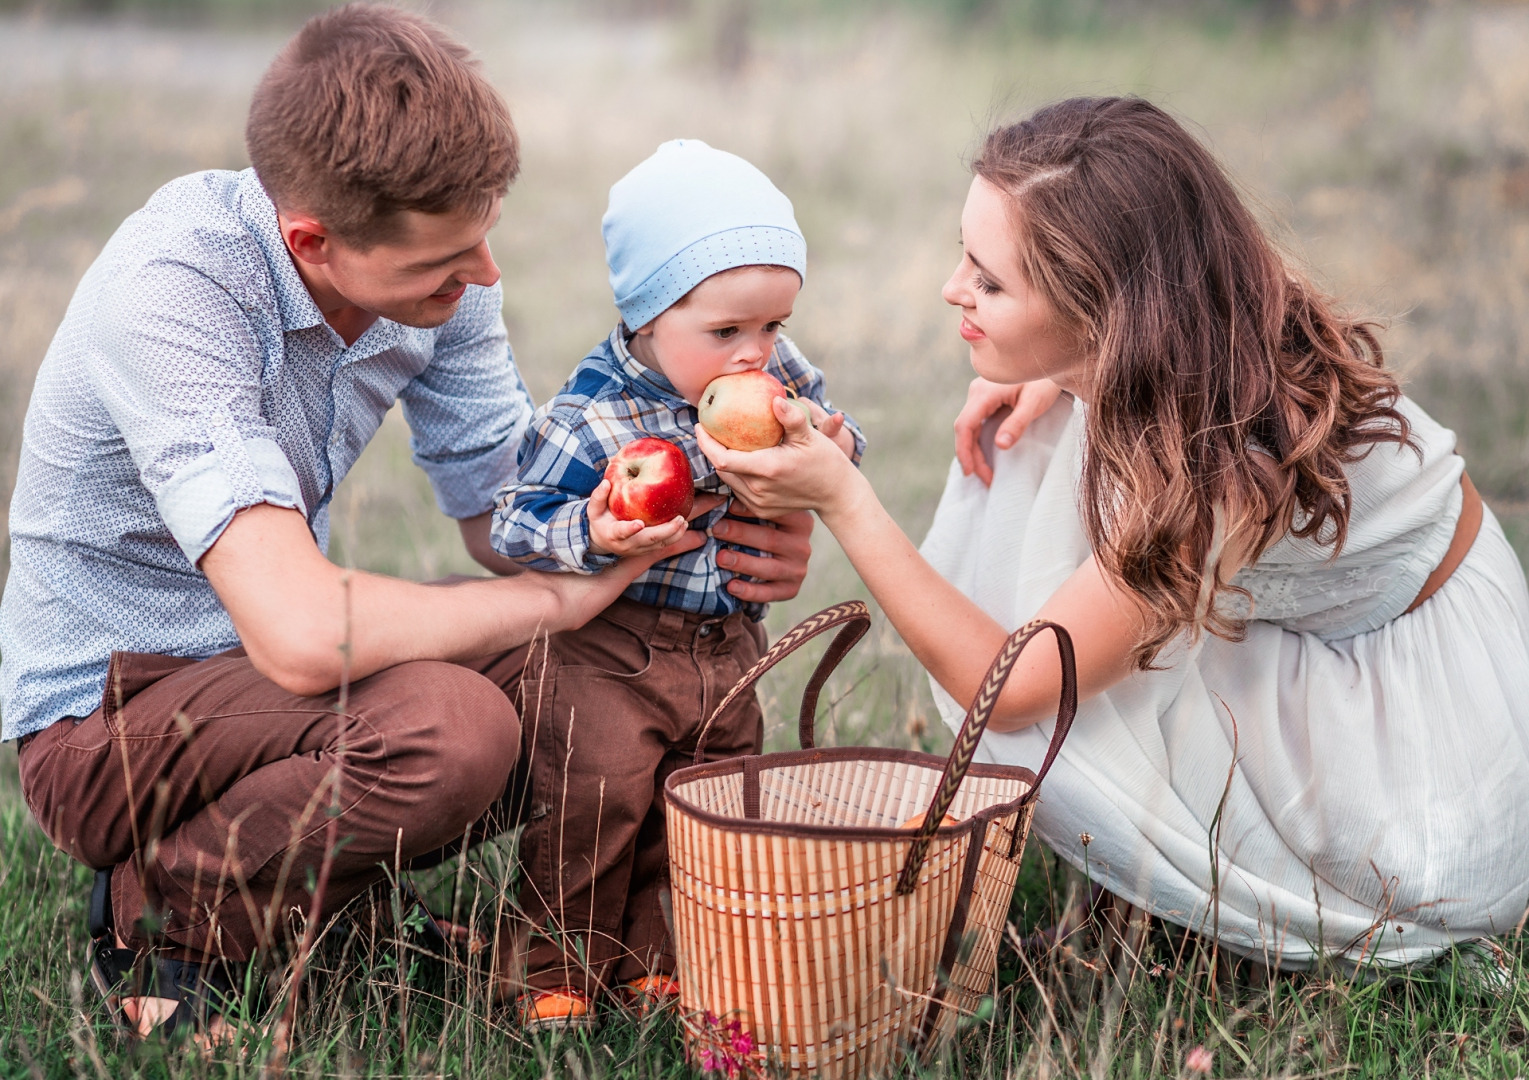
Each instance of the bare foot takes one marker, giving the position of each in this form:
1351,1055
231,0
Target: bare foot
145,1014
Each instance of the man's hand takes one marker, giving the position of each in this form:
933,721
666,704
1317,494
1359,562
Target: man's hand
609,535
788,544
985,399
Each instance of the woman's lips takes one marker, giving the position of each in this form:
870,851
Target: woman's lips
449,297
970,332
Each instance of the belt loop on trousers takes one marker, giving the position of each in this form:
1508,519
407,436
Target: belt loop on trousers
669,630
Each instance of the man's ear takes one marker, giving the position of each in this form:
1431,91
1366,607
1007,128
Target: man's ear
306,237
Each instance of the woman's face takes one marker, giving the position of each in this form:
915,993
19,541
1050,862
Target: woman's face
1015,334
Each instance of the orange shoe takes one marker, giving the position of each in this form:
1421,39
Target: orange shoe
652,992
555,1010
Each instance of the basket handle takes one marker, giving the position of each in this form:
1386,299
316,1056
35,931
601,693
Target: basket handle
977,716
854,618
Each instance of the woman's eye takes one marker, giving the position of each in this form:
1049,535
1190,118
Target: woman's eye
726,332
987,286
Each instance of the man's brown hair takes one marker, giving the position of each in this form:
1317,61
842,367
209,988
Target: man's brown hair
369,111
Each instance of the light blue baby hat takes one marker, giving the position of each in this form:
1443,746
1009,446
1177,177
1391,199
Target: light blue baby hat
686,213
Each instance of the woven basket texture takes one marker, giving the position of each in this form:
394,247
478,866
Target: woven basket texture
803,939
826,918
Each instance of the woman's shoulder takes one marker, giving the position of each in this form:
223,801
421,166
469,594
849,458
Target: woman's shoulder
1405,499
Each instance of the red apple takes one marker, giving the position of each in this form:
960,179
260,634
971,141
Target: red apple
738,410
650,482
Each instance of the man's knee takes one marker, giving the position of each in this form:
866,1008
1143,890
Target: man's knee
456,730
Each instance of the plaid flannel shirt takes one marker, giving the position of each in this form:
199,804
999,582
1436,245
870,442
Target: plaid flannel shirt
541,519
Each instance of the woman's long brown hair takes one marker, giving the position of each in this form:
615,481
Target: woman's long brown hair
1208,348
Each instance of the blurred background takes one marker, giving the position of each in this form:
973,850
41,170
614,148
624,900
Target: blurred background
1387,145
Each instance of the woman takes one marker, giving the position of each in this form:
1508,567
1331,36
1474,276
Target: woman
1302,644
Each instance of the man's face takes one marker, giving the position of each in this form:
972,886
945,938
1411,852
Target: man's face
418,276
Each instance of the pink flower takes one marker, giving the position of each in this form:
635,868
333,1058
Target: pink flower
729,1047
1199,1060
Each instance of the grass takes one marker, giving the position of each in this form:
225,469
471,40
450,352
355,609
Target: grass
1390,148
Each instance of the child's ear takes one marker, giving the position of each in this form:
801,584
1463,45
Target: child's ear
646,329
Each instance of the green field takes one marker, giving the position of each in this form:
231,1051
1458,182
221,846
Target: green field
1387,145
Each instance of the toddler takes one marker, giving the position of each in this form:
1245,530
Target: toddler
706,260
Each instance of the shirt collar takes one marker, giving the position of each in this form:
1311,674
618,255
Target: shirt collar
295,302
636,371
298,311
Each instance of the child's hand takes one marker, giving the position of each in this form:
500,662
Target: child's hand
831,425
609,535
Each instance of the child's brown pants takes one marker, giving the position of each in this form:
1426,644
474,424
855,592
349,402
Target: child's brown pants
610,711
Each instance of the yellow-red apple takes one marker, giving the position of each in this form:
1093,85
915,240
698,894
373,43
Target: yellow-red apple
738,410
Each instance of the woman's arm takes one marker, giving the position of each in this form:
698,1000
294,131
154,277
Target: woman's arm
952,637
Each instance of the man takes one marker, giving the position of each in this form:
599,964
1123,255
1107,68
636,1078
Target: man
198,692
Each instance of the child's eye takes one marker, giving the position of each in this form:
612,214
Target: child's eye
774,327
726,332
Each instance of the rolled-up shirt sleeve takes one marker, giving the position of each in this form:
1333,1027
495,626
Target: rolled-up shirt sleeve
469,408
178,367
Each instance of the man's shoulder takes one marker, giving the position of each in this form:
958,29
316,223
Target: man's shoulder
205,222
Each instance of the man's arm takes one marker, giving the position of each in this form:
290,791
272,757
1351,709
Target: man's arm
475,535
787,541
308,625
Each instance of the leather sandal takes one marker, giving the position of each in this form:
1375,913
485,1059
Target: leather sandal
201,991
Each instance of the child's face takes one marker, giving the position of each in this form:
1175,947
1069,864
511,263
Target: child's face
728,323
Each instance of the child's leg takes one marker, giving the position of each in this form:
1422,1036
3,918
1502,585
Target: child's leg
594,733
717,660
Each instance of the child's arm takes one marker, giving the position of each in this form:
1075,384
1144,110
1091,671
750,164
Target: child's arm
806,382
541,517
833,425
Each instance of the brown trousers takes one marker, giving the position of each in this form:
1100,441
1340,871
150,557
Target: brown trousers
610,711
208,788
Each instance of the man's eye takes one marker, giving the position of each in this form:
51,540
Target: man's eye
726,332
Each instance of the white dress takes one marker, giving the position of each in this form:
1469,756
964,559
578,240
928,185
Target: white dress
1379,806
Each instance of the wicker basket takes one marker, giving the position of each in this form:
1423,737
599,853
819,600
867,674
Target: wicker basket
816,937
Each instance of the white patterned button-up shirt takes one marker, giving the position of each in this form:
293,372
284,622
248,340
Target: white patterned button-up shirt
193,376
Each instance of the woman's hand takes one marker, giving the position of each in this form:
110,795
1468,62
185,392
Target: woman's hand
807,471
984,399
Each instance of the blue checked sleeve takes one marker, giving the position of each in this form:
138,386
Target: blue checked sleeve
802,379
541,518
